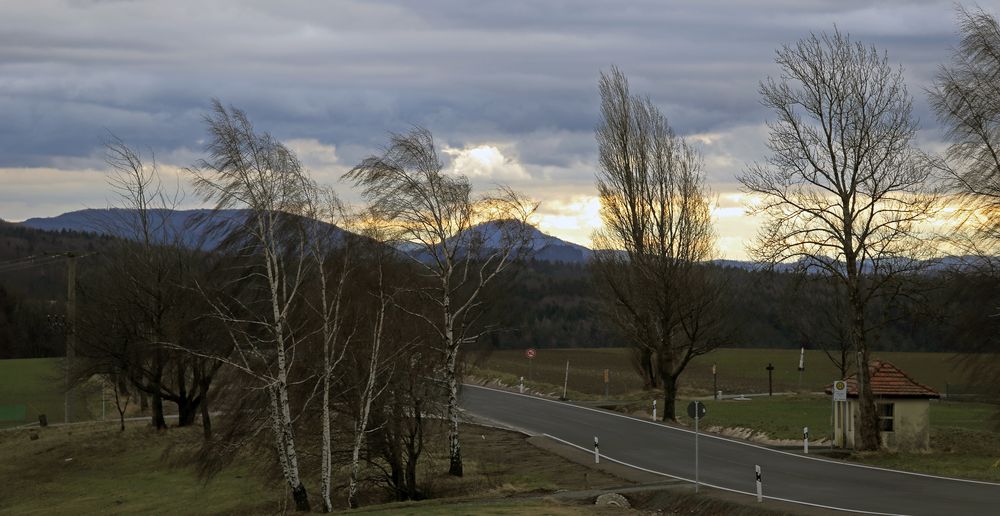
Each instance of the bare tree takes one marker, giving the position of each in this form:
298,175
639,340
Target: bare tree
657,227
843,189
139,301
254,172
437,216
966,97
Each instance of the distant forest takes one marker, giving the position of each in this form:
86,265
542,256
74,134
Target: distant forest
553,305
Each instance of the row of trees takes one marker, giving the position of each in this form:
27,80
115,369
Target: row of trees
845,195
336,344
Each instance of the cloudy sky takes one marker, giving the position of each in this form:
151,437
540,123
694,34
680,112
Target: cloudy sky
508,88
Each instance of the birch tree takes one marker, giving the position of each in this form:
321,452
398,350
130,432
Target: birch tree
656,229
461,243
250,170
843,189
331,253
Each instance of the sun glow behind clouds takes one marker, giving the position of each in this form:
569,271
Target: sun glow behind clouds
574,219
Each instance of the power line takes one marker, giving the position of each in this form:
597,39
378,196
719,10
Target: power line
36,261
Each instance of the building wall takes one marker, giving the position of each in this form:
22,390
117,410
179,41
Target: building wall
911,424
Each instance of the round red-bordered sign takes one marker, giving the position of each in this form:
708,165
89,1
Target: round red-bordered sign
530,352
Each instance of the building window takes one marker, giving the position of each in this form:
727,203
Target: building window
885,416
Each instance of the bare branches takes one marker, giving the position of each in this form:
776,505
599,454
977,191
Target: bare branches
843,190
966,97
462,243
657,227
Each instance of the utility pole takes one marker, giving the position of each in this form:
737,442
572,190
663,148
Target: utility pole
70,330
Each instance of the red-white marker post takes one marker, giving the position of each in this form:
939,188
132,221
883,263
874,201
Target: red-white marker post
760,485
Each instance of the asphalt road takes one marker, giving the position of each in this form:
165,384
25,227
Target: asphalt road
729,464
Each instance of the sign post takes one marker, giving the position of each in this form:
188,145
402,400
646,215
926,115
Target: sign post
606,380
839,395
696,410
530,355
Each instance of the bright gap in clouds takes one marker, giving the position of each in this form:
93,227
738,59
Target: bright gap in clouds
485,162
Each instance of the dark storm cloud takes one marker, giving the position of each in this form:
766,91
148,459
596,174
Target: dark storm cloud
522,74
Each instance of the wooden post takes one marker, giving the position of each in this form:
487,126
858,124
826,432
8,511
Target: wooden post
70,331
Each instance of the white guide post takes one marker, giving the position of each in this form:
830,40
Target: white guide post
597,451
654,410
521,385
760,487
805,440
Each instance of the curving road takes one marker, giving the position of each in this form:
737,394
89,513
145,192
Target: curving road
729,464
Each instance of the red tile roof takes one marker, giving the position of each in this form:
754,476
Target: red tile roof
889,381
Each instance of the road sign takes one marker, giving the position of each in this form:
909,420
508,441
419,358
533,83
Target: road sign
696,409
839,390
530,353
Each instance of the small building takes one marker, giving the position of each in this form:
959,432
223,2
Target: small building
903,406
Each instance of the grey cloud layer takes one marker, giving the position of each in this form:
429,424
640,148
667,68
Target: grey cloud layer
515,72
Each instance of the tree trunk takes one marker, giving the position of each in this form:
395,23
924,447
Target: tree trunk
206,419
868,430
414,447
301,498
868,435
669,398
454,446
325,448
157,405
187,411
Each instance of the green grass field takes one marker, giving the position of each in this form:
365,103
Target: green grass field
740,371
33,386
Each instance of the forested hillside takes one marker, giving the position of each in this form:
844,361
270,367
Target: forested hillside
33,286
544,304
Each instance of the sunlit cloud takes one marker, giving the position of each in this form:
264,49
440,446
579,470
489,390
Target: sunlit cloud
485,162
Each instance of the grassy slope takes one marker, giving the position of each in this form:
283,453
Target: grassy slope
94,469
